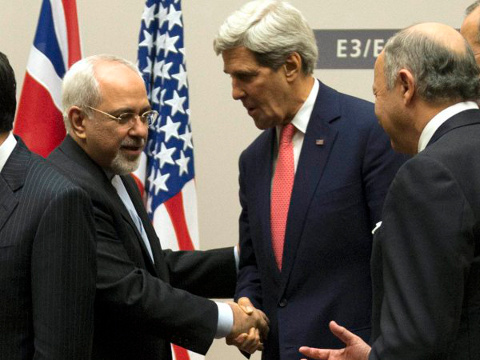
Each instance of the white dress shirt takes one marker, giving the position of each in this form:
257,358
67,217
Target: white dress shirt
122,192
440,118
300,121
6,149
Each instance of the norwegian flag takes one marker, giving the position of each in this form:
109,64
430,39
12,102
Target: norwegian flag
166,175
55,48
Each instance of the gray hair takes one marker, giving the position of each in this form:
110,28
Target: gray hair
80,86
441,74
272,30
472,7
468,11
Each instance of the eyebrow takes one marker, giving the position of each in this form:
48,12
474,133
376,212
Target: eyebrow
123,110
242,72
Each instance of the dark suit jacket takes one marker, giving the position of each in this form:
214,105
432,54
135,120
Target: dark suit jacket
142,306
426,255
337,198
47,262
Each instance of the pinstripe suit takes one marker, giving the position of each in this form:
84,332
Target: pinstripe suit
47,262
143,306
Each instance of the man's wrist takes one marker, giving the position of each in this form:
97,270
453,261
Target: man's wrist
225,320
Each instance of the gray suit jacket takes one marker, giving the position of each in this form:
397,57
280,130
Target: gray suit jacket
426,255
47,262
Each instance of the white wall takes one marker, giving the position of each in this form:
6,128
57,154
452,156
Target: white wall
221,127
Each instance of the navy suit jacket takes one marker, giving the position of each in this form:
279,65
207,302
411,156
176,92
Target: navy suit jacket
426,254
47,262
142,306
336,200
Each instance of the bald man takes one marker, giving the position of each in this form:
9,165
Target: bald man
425,259
471,28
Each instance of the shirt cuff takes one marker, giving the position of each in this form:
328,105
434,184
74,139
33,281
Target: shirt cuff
225,320
237,257
377,226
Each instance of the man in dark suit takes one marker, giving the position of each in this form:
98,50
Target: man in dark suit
305,256
426,259
47,251
146,298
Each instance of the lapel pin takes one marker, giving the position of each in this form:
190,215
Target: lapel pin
319,142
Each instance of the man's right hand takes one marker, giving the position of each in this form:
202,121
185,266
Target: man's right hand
355,349
250,326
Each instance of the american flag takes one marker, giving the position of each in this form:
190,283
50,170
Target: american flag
55,48
167,173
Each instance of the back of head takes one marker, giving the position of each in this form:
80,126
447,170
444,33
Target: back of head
8,101
439,59
80,86
272,30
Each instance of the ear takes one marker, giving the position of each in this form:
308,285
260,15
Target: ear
406,81
293,66
77,117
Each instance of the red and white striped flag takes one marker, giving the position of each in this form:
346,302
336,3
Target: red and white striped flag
167,174
55,48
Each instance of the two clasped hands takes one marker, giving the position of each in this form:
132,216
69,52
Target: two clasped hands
250,326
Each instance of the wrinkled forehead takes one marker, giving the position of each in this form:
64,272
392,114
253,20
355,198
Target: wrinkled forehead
239,58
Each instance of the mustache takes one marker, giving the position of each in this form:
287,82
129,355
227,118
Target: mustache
133,142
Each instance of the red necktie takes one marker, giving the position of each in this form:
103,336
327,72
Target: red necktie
282,191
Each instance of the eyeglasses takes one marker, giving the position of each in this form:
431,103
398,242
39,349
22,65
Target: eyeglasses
128,118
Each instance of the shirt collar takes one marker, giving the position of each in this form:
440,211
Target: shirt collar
440,118
6,149
302,117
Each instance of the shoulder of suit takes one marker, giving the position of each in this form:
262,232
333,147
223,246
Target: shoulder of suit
41,172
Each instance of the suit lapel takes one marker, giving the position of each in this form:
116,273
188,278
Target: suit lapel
8,202
96,177
464,118
150,231
311,164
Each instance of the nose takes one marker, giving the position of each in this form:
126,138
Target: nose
237,91
139,128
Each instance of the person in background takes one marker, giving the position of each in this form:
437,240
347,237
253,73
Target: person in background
471,28
425,260
312,185
47,250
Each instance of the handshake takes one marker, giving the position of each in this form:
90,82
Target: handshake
250,326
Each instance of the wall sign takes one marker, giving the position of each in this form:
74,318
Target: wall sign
350,49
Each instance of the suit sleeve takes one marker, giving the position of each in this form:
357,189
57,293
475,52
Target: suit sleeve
379,167
248,282
143,302
427,244
210,273
63,272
